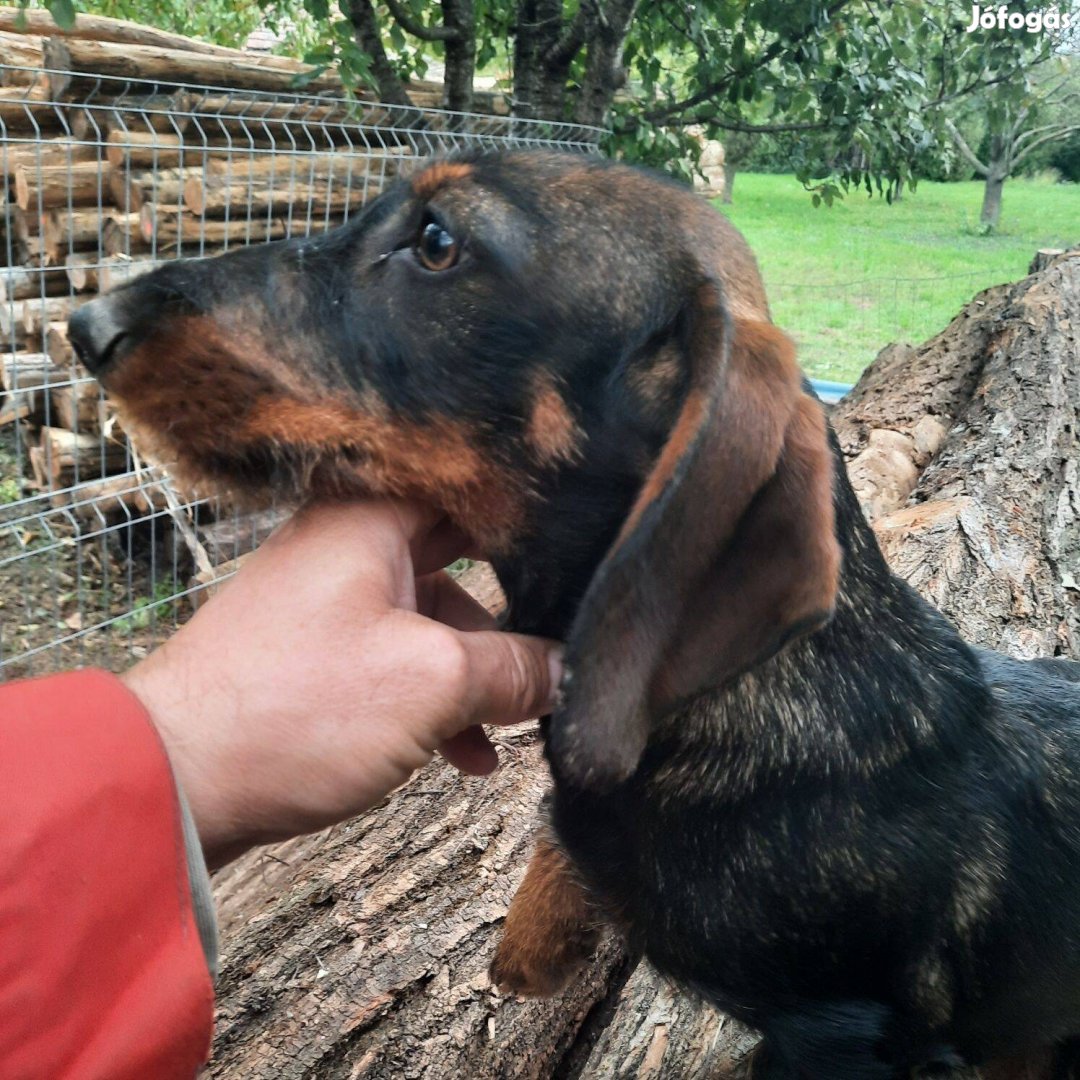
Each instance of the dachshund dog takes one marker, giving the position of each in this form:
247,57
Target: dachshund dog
778,770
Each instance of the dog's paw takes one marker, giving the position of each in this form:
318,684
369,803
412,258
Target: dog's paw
531,966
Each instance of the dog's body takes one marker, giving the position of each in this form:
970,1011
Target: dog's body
867,847
779,770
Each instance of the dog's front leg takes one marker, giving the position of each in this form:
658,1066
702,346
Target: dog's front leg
551,928
1046,1065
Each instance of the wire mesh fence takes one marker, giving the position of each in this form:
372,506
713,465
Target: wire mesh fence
103,179
852,320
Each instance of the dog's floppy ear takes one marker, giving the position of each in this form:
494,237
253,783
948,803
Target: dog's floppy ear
728,552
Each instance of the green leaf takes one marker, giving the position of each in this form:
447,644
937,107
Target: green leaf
63,13
305,78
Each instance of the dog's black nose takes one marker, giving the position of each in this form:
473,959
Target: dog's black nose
100,333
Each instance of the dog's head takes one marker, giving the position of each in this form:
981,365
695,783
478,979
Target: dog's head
572,359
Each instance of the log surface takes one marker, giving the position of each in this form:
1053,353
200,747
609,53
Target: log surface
148,64
102,28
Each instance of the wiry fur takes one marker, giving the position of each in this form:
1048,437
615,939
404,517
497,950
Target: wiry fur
781,771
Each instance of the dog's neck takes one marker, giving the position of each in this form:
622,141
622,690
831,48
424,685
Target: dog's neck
887,676
902,671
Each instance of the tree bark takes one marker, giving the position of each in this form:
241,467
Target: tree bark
390,88
541,63
990,214
44,187
20,51
976,500
604,72
101,28
79,64
460,54
362,952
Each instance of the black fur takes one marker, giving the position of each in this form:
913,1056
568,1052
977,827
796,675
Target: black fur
868,845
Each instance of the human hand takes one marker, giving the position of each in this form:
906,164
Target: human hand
335,664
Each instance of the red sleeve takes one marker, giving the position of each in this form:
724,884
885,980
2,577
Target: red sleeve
102,976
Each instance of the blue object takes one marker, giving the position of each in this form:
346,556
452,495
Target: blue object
830,392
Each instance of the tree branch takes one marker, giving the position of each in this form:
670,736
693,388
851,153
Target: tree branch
1032,133
570,40
971,88
1067,129
727,124
965,150
665,112
418,29
366,31
1016,128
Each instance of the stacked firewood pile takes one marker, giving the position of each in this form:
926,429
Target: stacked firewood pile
114,156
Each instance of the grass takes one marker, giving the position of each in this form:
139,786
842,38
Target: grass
11,487
148,609
848,280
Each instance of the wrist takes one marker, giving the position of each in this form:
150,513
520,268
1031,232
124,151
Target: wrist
179,717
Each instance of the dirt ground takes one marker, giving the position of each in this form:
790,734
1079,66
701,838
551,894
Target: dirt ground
82,591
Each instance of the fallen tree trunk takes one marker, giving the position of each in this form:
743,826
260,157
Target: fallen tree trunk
362,952
44,187
157,112
89,273
77,64
27,112
224,181
162,187
50,152
21,52
242,202
102,28
20,283
67,231
168,229
989,529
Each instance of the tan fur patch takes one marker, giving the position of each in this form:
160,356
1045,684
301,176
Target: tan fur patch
425,184
208,411
656,381
550,928
552,431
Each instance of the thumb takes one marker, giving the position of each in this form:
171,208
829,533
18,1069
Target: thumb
512,677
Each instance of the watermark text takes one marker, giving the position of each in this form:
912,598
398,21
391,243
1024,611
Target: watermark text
1033,22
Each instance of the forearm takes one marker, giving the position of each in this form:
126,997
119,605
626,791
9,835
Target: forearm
102,970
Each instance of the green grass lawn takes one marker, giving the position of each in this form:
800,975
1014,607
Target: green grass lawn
847,280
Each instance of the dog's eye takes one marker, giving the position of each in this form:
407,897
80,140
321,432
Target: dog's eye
436,248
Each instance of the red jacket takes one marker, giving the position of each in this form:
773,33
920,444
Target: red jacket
102,974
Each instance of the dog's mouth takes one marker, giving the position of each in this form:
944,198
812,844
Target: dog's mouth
287,452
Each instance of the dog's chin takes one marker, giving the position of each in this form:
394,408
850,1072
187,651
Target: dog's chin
251,484
284,479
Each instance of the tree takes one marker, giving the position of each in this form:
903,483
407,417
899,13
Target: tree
1018,126
875,75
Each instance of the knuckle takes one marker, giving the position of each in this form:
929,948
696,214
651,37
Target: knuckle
521,680
447,665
